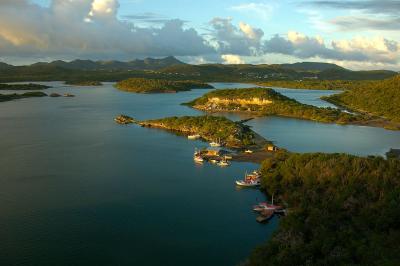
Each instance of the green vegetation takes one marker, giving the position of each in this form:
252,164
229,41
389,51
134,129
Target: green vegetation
15,96
343,210
21,87
172,69
376,98
265,101
211,128
318,84
83,83
141,85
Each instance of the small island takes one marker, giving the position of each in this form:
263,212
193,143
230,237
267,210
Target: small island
83,83
141,85
23,87
266,101
15,96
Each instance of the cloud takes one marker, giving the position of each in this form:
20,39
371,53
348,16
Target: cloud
90,29
230,39
372,14
366,23
378,49
261,10
370,6
232,59
147,18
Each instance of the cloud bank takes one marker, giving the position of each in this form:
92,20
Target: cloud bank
69,29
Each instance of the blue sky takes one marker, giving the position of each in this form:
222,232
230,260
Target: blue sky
356,34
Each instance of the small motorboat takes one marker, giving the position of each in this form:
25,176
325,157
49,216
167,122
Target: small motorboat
198,159
223,163
265,216
248,151
193,137
215,144
251,183
214,161
266,206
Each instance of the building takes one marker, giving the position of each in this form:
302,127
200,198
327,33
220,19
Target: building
272,148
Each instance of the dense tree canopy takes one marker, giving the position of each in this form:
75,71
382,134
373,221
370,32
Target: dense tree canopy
280,105
141,85
233,134
378,98
343,210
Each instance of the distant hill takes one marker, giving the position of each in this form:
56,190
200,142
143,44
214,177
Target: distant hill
346,74
146,64
172,69
5,66
311,66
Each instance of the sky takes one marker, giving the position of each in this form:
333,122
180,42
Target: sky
354,34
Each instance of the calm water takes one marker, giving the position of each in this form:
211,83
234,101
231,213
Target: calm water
78,189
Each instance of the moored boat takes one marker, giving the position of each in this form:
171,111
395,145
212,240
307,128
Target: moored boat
198,159
223,163
265,216
251,183
215,143
193,137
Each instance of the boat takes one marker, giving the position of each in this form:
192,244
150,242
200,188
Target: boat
244,183
193,137
248,151
223,163
265,216
214,161
250,180
228,157
215,144
198,159
262,206
266,206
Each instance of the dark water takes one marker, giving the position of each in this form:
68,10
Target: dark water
78,189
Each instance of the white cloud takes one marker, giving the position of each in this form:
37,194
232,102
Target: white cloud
261,10
62,30
230,39
232,59
377,50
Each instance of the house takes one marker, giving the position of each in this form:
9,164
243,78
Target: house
271,147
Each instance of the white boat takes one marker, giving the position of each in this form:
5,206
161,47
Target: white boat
214,161
192,137
198,159
248,151
223,163
243,183
215,144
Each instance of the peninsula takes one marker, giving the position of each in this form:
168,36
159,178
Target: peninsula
266,101
22,87
141,85
15,96
83,83
210,128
